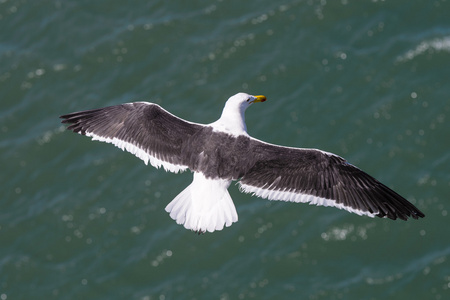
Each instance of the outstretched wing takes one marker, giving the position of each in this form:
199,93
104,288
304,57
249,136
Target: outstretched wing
141,128
321,178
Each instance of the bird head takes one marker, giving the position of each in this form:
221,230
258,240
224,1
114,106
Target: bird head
243,100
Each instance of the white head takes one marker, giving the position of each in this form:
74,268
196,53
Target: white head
233,114
242,100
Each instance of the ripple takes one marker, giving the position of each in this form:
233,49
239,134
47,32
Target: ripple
441,44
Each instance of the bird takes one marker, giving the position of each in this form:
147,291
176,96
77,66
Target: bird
222,152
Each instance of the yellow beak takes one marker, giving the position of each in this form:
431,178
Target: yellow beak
259,98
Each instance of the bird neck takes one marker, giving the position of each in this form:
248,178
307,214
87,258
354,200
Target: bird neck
232,121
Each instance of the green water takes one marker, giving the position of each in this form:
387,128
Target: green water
368,80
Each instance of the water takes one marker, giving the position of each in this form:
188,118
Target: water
368,80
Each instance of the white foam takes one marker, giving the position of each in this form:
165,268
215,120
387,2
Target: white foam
442,44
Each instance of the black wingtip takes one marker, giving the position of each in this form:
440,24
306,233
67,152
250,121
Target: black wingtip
66,118
415,214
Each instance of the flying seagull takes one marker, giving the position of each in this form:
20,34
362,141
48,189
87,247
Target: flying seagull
222,152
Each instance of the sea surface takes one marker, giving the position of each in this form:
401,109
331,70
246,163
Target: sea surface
367,80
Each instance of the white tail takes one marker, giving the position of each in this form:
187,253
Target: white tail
205,205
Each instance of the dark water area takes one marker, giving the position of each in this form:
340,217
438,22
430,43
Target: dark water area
367,80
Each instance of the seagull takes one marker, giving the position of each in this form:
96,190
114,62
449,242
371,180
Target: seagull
221,152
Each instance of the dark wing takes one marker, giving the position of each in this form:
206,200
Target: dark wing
321,178
143,129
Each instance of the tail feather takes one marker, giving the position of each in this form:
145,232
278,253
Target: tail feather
205,205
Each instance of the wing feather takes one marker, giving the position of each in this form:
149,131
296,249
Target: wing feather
141,128
321,178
